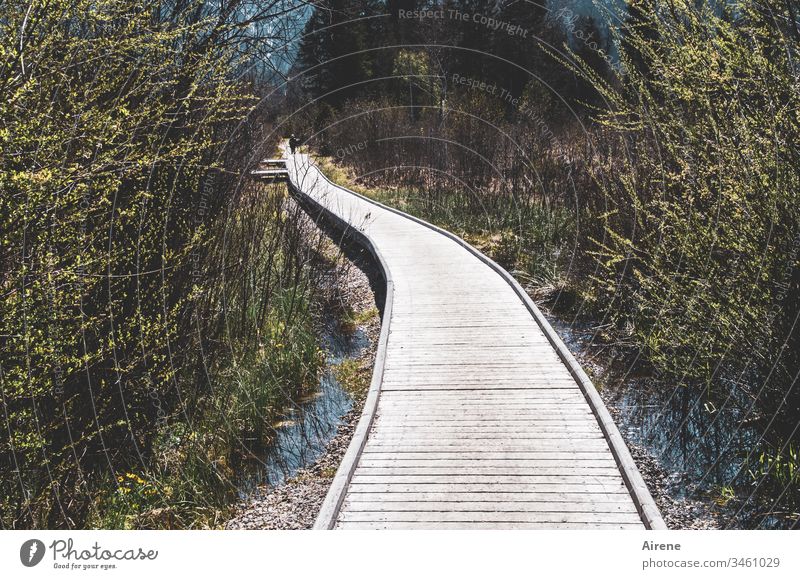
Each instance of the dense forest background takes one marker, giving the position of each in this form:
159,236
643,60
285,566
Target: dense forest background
633,163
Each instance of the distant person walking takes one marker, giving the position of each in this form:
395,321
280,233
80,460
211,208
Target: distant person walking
293,143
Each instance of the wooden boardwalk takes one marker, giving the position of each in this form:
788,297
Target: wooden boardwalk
477,416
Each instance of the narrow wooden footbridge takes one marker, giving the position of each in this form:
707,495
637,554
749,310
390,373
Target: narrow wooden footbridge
477,415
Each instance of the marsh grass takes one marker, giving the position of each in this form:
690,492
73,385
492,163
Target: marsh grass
775,473
526,238
267,311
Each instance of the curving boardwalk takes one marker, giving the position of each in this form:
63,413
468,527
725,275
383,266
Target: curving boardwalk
477,416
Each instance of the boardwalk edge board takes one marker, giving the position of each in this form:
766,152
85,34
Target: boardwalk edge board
645,505
329,511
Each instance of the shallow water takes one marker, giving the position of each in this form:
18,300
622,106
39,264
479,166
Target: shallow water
301,437
702,441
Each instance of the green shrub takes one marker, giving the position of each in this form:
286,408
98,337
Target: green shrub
130,255
698,243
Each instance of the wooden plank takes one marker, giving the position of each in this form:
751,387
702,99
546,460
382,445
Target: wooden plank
497,433
489,487
484,445
368,462
546,438
358,494
467,479
503,506
494,443
481,395
413,399
514,393
478,395
389,423
490,517
575,470
454,384
544,408
466,456
481,364
551,411
444,525
459,421
527,426
466,412
552,406
563,399
544,411
511,380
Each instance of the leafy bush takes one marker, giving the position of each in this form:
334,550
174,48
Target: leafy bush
700,166
124,274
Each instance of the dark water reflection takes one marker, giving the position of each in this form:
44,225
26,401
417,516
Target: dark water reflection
703,441
301,437
694,435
